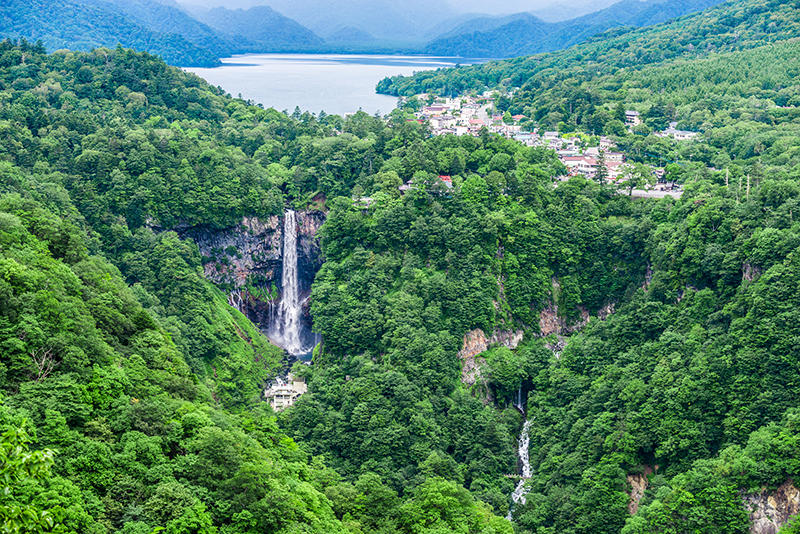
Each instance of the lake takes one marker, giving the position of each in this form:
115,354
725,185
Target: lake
336,84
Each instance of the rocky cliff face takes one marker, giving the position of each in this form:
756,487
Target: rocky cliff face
247,260
769,511
475,342
638,484
250,253
552,322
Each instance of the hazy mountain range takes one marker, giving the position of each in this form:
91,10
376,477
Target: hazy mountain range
524,33
261,27
189,34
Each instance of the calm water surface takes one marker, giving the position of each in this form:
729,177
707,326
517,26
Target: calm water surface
335,84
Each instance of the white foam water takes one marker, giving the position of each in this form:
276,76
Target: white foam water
518,497
286,329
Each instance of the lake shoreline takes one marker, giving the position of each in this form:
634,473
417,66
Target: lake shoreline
333,83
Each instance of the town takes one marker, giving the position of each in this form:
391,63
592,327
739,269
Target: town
469,115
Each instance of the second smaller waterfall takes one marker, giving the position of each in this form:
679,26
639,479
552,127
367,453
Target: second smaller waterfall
517,403
520,491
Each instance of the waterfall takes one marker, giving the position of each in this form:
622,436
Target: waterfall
287,327
235,300
518,402
520,491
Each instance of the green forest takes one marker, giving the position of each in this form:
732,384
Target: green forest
131,392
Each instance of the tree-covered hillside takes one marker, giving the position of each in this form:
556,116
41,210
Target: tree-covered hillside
87,24
522,34
259,28
160,28
731,26
116,354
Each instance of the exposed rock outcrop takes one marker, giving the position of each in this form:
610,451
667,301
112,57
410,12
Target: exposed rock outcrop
769,511
250,253
750,272
638,483
476,342
550,322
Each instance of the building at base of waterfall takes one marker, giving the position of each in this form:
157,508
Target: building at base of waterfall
284,393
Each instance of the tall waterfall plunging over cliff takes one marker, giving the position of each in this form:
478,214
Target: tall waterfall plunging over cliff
520,491
286,326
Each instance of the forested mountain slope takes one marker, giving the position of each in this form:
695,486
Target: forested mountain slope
736,25
259,28
523,34
167,18
87,24
117,354
161,28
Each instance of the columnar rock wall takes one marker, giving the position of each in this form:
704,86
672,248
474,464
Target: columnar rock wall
769,511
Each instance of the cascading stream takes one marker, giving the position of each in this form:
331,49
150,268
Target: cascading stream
288,327
518,497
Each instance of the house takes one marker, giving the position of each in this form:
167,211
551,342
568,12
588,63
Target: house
632,118
678,135
606,143
580,165
434,110
447,181
285,393
567,152
614,169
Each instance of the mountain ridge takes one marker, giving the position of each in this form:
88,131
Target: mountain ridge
261,28
523,33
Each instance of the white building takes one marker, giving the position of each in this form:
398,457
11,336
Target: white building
678,135
285,393
632,118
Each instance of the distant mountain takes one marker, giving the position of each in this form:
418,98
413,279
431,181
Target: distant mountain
488,23
387,20
570,10
165,16
446,26
87,24
523,33
262,27
350,34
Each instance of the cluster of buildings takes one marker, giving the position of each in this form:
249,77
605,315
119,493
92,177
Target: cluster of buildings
579,160
468,115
